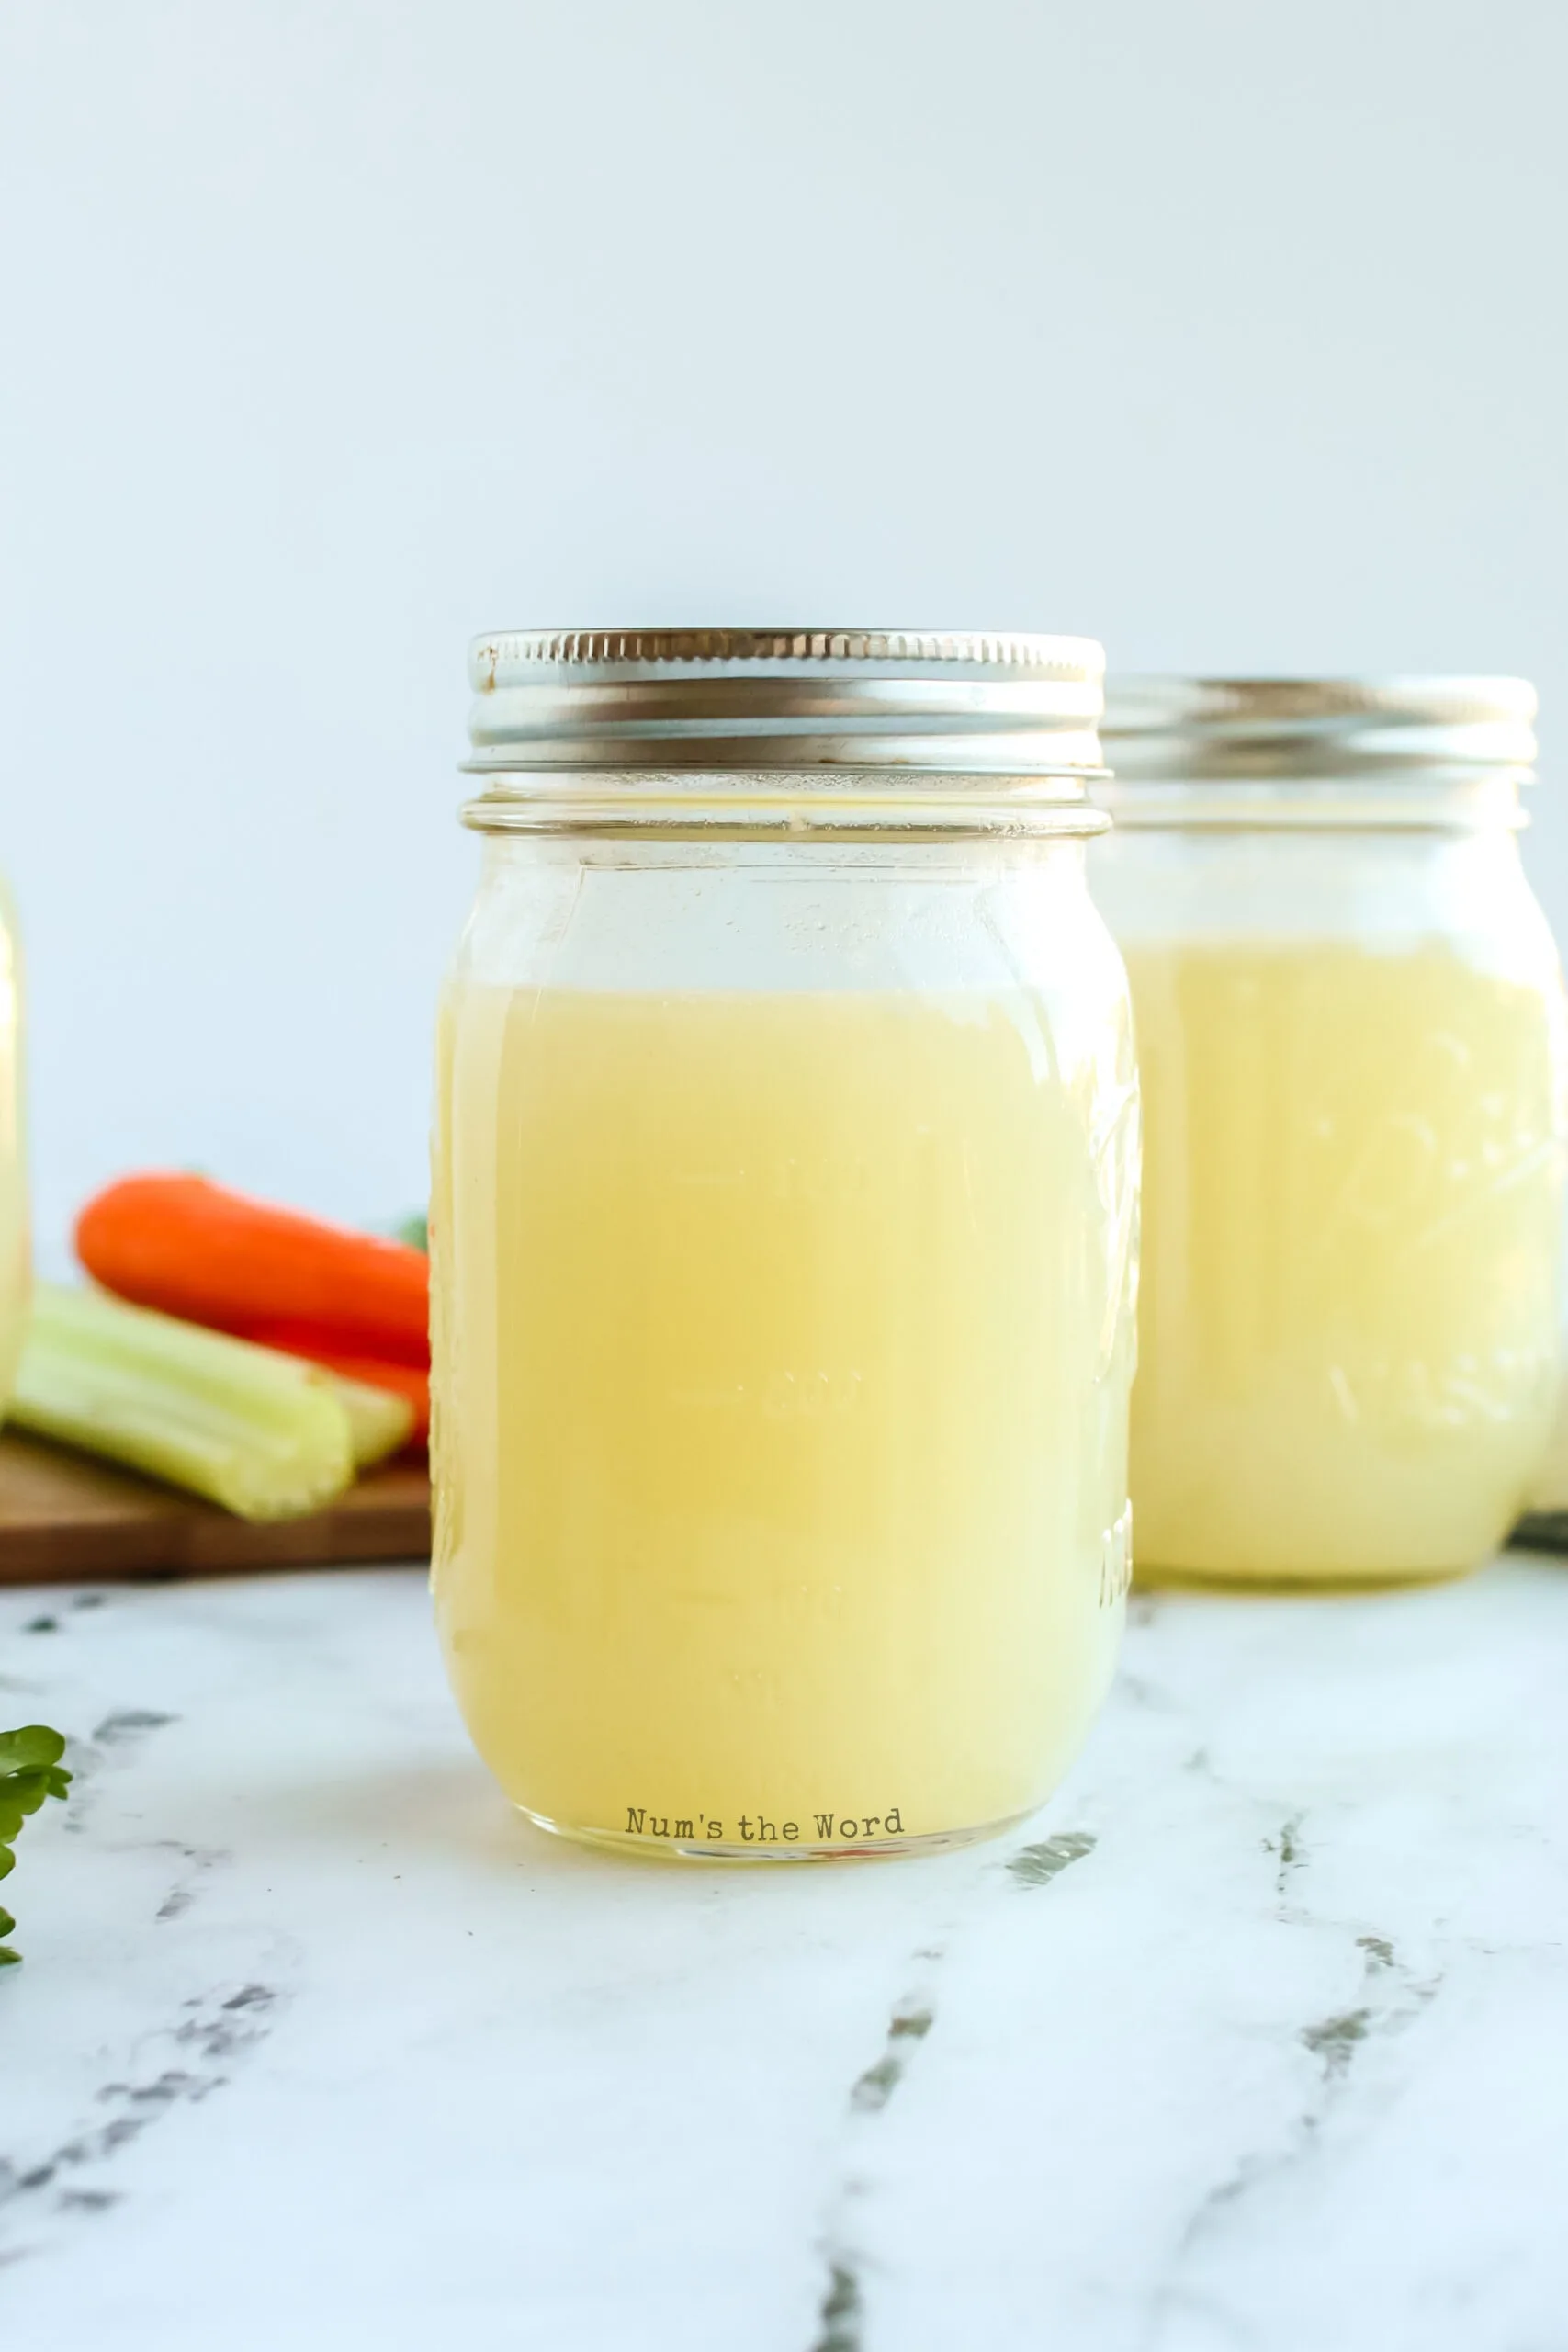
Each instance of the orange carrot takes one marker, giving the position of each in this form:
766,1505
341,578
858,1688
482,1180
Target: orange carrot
404,1380
192,1248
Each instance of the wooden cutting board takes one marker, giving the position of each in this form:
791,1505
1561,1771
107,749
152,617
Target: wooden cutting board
65,1515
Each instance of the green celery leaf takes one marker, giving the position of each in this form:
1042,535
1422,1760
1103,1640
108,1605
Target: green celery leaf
30,1770
26,1751
27,1788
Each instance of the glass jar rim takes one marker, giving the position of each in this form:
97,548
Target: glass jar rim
843,804
1436,801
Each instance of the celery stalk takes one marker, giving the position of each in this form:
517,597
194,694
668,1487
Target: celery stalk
262,1433
379,1422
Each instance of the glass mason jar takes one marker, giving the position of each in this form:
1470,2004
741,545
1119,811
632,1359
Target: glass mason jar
784,1228
16,1253
1351,1037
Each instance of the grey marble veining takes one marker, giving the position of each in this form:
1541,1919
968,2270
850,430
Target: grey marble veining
1256,2038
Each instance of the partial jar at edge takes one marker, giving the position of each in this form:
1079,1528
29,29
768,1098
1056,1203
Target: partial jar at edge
1350,1029
784,1239
15,1252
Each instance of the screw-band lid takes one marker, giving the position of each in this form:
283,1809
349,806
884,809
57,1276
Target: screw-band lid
1255,730
954,702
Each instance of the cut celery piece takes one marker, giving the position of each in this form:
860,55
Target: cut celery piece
379,1422
262,1433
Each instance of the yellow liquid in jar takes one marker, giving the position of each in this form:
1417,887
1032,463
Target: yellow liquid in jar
1351,1213
782,1352
16,1253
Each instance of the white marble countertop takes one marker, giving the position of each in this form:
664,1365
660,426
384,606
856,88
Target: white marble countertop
1258,2037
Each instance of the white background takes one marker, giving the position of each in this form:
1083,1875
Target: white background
338,330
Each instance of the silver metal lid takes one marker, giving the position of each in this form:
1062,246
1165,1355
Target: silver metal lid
1255,731
955,703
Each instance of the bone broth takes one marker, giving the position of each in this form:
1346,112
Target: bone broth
1352,1209
1350,1027
778,1461
783,1225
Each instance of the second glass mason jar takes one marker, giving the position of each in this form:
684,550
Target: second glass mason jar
784,1232
1351,1036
